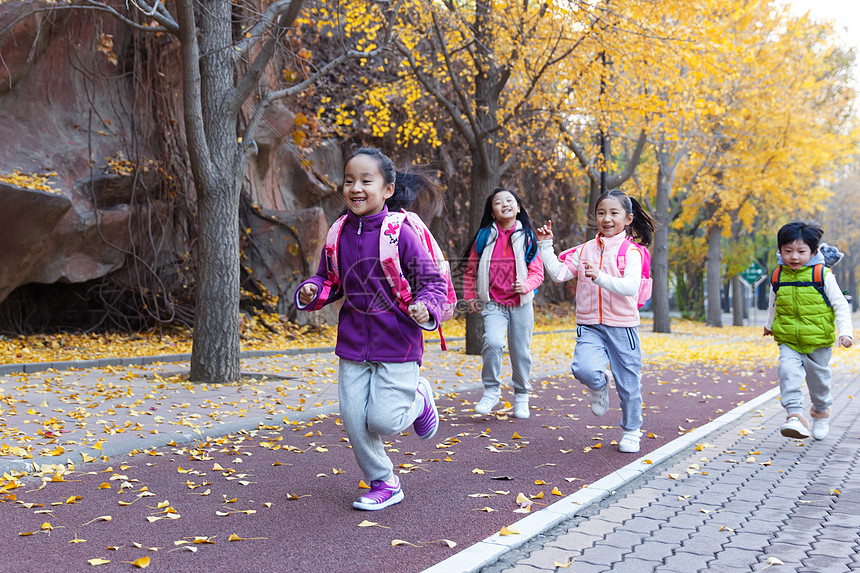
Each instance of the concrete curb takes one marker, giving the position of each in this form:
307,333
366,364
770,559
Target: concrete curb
488,551
30,367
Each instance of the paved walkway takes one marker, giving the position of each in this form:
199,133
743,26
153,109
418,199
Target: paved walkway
744,498
732,495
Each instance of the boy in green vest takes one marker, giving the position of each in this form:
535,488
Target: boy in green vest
806,308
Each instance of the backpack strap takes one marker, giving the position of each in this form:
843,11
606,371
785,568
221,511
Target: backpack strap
817,281
331,284
774,278
481,239
389,257
621,257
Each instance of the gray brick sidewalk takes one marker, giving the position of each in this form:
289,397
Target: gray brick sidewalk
745,500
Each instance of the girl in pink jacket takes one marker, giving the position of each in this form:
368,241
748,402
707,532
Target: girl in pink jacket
607,315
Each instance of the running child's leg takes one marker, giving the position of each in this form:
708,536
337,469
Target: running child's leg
496,320
354,383
817,365
589,357
589,365
520,329
393,402
791,375
625,360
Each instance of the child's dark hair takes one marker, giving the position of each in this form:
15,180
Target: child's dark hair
487,220
415,189
642,227
808,233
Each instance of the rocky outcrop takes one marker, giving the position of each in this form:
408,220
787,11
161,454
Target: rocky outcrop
68,110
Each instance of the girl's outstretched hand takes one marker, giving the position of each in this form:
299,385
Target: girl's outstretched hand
544,232
846,341
419,313
307,293
592,270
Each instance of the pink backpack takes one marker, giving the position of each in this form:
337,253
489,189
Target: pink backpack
645,283
389,257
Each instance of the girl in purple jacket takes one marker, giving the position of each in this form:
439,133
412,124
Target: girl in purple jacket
380,346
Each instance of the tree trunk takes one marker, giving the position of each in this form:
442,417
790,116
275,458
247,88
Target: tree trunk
486,159
215,162
483,181
739,301
215,351
660,246
593,195
713,261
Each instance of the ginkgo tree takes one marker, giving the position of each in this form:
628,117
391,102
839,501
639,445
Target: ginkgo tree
712,76
492,71
769,152
234,61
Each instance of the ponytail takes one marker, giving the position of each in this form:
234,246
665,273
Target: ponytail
642,227
417,191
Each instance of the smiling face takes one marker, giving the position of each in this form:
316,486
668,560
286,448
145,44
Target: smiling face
612,218
364,186
795,254
505,209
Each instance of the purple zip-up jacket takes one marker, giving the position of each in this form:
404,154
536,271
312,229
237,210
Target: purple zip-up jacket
371,327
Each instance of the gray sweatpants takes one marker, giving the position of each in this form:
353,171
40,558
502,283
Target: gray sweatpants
517,322
377,399
598,345
814,367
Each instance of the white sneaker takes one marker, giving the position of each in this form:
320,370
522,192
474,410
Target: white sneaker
629,443
521,406
488,402
794,428
599,400
820,427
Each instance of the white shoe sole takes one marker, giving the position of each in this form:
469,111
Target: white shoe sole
396,498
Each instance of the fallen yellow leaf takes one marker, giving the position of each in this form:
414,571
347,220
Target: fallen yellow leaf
98,561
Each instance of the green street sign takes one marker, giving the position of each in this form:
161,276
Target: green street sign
753,273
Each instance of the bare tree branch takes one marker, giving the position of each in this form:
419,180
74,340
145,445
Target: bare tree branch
156,12
192,92
282,14
615,181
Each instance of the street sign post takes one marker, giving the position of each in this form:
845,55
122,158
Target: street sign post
753,273
752,276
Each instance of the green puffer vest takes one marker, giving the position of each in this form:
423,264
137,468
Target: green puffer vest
803,320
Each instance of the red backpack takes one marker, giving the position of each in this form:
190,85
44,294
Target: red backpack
389,258
645,282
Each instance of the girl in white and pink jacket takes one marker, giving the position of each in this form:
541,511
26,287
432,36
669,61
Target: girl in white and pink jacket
609,273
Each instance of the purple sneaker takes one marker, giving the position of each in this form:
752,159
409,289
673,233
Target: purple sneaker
427,421
380,496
